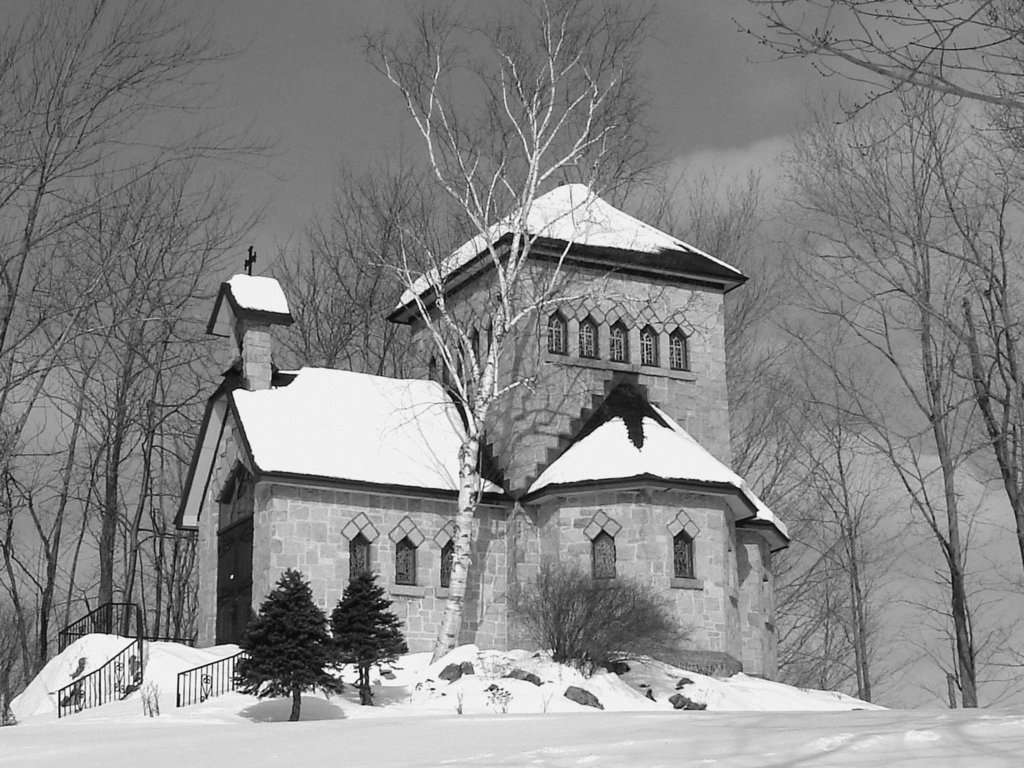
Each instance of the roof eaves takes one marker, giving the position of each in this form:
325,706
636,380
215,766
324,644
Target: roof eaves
299,478
179,517
645,480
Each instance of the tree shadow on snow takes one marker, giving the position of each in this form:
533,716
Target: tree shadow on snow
278,710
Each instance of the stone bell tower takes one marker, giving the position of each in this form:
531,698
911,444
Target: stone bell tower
246,308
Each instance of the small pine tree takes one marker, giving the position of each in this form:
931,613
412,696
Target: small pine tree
288,645
365,631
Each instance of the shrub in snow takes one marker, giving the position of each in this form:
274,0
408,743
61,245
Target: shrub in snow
365,631
150,694
493,664
498,698
288,646
588,623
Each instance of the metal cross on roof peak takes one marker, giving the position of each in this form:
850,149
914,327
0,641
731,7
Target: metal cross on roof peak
250,260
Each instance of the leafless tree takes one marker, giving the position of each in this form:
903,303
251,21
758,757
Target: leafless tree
871,196
506,109
962,48
340,292
86,165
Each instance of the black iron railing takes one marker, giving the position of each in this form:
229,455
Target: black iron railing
123,619
213,679
109,619
114,680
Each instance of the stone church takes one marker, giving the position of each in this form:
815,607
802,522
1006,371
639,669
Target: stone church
613,454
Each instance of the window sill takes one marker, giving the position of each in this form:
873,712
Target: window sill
610,365
406,590
686,583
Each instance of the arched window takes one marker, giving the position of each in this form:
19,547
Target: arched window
405,562
682,555
678,351
447,558
602,549
588,338
648,346
618,344
558,342
237,498
358,556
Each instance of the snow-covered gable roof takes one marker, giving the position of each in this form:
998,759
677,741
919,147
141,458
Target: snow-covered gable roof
251,296
340,425
651,445
573,214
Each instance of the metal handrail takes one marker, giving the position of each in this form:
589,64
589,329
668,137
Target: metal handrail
201,683
113,619
115,679
107,619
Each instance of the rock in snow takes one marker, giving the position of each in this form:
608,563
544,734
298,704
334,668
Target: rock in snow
520,674
679,701
582,696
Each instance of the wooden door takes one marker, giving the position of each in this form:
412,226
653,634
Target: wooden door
234,581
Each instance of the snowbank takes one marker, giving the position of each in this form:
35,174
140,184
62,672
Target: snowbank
418,723
163,662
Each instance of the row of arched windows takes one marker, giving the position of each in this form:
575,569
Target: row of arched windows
602,556
405,560
618,343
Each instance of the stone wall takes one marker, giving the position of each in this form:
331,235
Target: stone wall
757,615
209,525
310,528
257,363
531,423
643,525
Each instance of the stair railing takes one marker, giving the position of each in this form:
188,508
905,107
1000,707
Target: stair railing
107,619
213,679
113,619
114,680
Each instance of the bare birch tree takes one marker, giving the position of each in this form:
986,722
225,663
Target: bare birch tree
506,110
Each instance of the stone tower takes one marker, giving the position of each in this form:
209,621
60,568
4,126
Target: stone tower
640,307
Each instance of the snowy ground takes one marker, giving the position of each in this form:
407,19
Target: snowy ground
749,722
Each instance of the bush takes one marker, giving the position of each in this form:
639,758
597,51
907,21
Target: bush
288,645
589,623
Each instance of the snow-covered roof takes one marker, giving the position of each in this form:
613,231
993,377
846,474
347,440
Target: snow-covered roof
260,294
250,295
350,426
573,214
666,451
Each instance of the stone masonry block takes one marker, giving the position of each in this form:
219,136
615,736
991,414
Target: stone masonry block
406,528
446,534
360,524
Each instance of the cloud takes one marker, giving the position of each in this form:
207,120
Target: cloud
732,164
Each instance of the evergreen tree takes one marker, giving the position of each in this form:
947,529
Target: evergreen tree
365,631
288,645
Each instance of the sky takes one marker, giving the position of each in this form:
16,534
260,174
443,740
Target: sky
719,100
